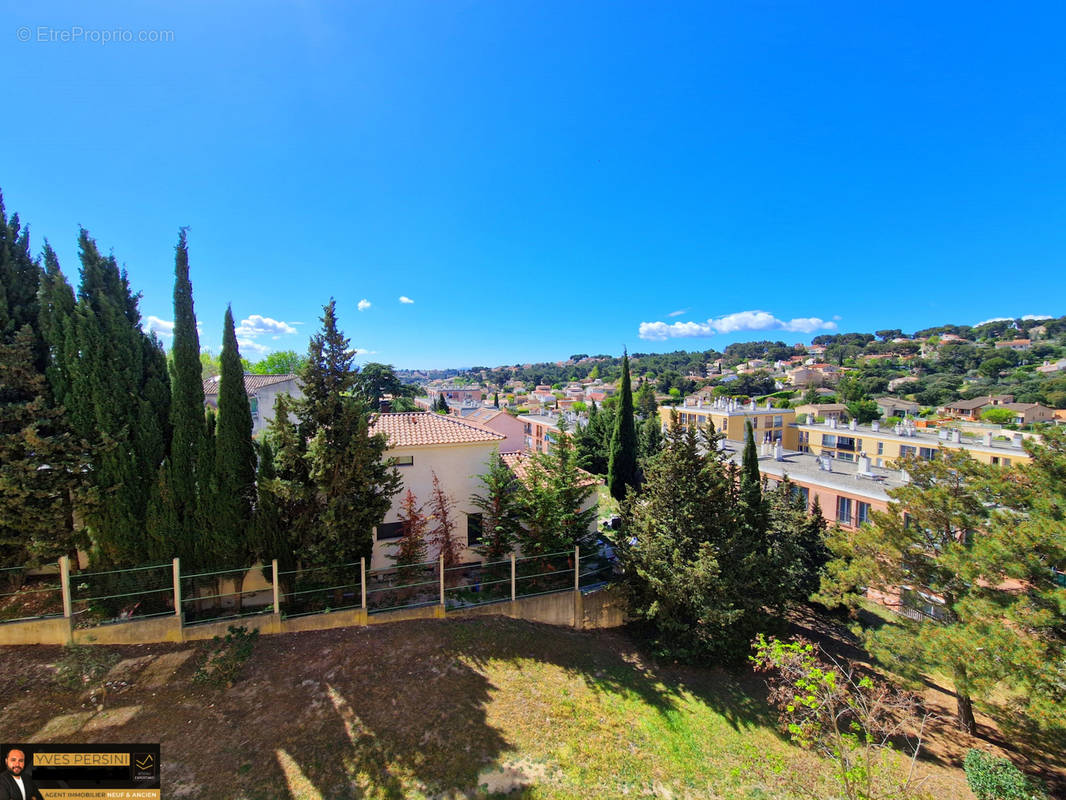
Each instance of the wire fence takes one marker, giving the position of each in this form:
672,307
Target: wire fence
316,590
109,596
29,593
117,595
226,594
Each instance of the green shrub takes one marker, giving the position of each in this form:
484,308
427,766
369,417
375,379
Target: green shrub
82,665
226,658
995,778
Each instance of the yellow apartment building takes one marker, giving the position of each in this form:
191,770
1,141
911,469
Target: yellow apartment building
729,416
884,445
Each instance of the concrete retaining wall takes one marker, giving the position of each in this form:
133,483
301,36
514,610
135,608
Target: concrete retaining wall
599,608
53,630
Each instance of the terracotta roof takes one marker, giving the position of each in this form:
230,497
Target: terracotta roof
517,463
252,383
415,428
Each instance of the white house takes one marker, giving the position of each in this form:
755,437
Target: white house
263,391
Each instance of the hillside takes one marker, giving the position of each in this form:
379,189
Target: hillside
444,709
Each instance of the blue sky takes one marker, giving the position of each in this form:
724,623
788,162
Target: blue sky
548,178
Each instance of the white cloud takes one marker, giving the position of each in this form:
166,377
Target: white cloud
361,352
162,327
994,319
732,323
256,325
1037,317
363,304
405,299
678,313
247,346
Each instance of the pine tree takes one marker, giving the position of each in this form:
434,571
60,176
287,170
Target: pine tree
622,474
234,466
942,536
187,473
348,486
553,498
675,550
495,399
442,536
500,511
327,378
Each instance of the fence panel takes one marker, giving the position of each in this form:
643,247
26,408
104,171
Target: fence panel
597,566
24,596
542,574
477,584
405,586
226,594
118,595
315,590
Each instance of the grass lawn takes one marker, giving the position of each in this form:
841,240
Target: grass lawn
486,707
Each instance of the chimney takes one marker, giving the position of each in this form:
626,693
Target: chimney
875,426
832,422
853,425
988,439
1018,439
778,452
942,435
826,463
864,464
956,436
384,406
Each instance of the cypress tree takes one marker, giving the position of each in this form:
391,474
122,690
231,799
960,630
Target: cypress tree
39,463
118,401
622,473
234,456
187,409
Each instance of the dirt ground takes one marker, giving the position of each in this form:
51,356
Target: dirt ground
318,708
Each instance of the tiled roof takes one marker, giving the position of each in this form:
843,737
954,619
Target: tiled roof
252,383
517,462
415,428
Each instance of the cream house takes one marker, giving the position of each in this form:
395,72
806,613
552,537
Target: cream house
422,444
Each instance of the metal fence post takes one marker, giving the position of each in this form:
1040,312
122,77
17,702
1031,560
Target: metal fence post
362,581
577,568
442,579
277,587
64,582
177,588
513,593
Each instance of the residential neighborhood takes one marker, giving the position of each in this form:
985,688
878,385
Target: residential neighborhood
533,401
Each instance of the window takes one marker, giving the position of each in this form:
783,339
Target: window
473,529
829,440
927,453
403,461
906,450
778,421
862,513
755,423
880,448
802,491
844,510
390,530
846,443
1006,462
846,456
253,404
